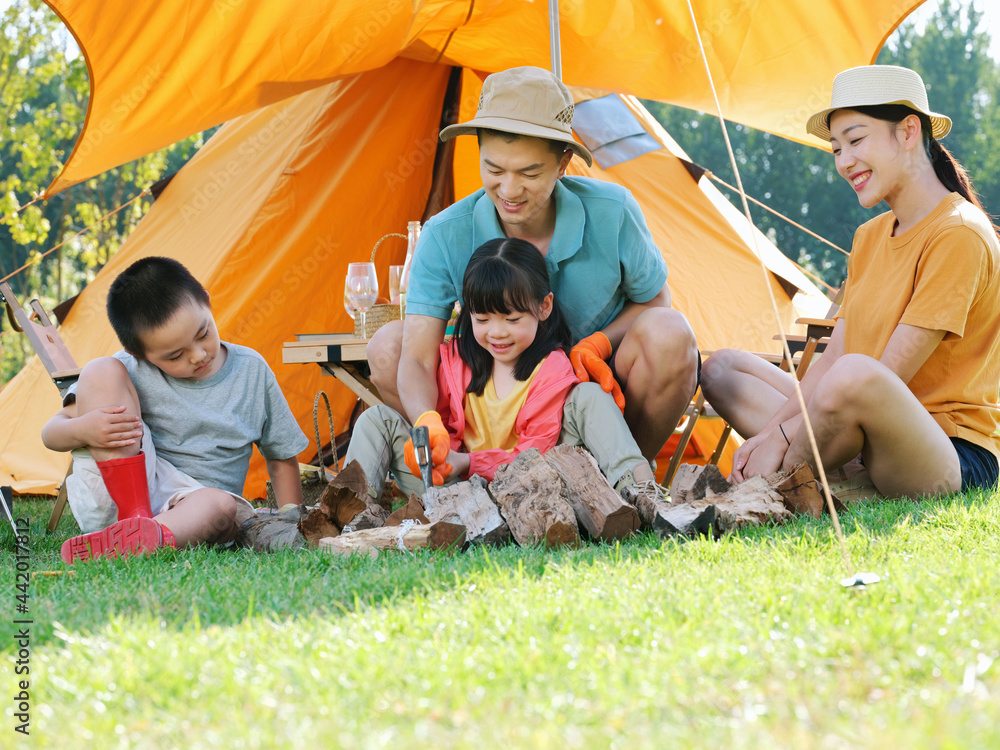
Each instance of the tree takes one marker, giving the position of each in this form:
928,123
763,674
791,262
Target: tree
43,94
801,182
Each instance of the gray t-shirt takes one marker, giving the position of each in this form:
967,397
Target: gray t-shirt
207,428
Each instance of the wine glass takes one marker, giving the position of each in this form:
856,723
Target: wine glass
361,289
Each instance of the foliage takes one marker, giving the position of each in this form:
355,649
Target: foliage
800,182
746,642
44,90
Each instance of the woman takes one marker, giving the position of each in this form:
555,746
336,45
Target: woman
909,380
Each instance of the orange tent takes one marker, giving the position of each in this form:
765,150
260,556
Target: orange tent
271,210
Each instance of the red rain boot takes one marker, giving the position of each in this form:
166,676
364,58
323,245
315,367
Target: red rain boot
132,536
125,480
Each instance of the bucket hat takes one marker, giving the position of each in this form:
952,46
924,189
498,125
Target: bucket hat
871,85
526,101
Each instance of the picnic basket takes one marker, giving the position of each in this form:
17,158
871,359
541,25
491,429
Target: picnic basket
314,478
377,315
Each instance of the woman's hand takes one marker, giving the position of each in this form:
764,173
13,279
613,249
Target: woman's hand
762,454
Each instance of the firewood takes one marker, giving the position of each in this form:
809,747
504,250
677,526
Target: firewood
800,491
691,482
749,503
410,536
598,508
316,526
685,520
469,504
345,496
532,500
412,511
372,517
270,532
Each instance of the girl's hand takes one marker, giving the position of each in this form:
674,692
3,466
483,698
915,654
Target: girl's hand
762,454
459,464
109,427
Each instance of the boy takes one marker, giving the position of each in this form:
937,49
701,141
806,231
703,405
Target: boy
169,474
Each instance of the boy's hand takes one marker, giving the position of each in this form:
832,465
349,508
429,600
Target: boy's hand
588,358
109,427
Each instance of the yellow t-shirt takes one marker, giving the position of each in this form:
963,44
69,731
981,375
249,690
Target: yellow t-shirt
489,421
943,274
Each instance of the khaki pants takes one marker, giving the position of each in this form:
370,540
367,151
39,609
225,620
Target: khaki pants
591,419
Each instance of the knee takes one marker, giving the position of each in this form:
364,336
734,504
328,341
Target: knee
222,507
383,353
666,337
851,383
715,368
103,370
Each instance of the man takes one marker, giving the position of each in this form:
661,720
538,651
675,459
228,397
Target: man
605,269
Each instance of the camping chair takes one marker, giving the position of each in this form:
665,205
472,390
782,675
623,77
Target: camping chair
58,362
802,349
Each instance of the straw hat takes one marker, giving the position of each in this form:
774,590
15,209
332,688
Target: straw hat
871,85
527,101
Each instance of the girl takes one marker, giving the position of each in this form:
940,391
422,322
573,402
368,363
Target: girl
909,379
505,384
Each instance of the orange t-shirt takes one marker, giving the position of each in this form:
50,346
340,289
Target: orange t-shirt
943,274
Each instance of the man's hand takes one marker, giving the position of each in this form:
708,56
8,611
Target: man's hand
440,444
588,358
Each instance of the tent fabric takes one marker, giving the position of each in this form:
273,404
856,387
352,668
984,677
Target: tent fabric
161,71
272,209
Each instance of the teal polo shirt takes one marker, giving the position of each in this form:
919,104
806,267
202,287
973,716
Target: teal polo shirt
601,254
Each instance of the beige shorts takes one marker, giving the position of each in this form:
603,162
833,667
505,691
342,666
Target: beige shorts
93,507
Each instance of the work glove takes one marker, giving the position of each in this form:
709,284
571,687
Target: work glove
440,444
588,358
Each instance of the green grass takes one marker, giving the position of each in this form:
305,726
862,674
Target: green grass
746,642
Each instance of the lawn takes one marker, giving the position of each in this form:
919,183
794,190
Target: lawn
746,642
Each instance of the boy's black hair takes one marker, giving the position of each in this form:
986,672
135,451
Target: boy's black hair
146,295
504,275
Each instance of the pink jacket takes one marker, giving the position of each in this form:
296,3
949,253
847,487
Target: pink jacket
538,423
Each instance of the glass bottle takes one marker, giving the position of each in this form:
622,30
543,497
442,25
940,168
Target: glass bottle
412,234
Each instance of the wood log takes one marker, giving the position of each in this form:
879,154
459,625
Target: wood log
691,482
412,511
372,517
686,520
469,504
599,509
750,503
269,532
411,536
315,526
800,491
345,496
531,498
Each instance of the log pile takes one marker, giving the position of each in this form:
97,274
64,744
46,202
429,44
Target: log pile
551,499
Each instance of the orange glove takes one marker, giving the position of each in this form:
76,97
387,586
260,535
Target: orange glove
440,443
588,358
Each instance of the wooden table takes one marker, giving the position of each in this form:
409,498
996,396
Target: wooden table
342,355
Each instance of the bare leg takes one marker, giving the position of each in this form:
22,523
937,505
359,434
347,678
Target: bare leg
744,389
205,516
384,350
863,407
657,362
103,383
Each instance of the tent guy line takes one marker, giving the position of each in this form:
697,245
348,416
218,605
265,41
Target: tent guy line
806,422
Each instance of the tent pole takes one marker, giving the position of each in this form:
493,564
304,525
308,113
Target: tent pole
554,45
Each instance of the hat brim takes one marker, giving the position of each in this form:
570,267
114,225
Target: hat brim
818,124
518,127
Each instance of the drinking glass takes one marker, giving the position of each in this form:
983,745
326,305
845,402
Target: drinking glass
395,273
361,288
